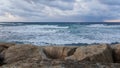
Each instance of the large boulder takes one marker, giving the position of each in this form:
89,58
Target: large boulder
4,46
94,53
116,53
26,53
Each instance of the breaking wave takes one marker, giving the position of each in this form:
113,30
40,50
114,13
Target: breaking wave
60,34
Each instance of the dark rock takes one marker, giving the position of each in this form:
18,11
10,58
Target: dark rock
116,53
53,52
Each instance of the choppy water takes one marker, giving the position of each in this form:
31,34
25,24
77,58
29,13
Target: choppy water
59,33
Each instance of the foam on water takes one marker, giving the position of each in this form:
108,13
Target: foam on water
96,25
33,28
102,26
60,34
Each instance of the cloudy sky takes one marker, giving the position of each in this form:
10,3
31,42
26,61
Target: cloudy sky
59,10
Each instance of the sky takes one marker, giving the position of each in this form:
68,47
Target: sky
59,10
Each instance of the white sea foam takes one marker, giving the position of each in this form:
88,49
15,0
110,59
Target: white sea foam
46,26
96,25
33,28
70,39
54,34
102,26
52,26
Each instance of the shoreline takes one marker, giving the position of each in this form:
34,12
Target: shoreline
27,55
73,44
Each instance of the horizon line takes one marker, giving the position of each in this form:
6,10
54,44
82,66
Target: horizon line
63,22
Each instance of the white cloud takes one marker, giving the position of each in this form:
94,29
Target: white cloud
9,17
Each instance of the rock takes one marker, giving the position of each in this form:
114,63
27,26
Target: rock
4,46
30,56
47,64
94,53
22,65
91,65
64,64
116,53
53,52
26,53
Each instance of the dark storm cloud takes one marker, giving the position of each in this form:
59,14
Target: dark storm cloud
59,10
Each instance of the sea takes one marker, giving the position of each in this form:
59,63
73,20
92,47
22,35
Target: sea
60,33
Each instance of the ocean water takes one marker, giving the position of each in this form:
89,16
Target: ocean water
60,33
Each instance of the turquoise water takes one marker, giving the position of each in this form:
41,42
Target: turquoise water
60,33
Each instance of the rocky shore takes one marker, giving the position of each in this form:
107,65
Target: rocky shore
30,56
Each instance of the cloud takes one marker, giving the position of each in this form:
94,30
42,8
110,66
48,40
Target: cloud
117,20
59,10
10,17
110,2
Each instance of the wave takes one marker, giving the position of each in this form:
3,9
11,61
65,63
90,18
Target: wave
102,26
60,35
47,26
53,26
97,25
38,36
2,23
36,42
37,26
62,40
33,28
34,31
6,23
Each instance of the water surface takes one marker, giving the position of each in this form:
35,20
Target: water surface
59,33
